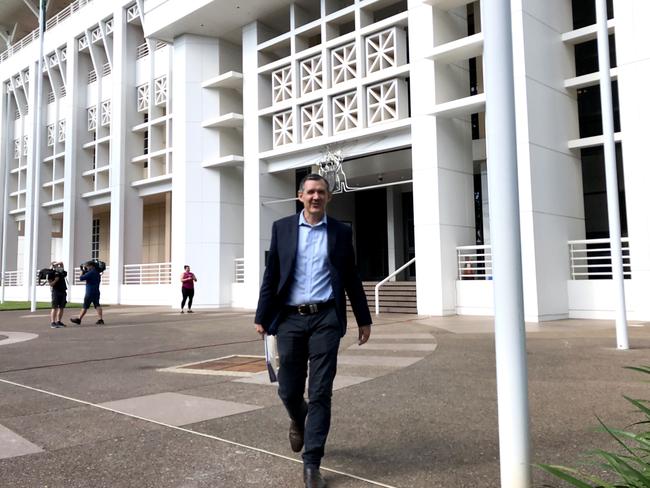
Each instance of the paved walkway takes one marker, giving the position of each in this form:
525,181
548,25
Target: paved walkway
415,407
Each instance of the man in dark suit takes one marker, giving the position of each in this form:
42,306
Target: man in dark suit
310,267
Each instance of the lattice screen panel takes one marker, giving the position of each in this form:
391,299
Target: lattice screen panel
345,112
311,74
344,63
385,49
283,129
386,101
282,84
312,121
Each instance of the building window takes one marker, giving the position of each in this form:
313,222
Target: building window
383,102
312,121
94,251
345,112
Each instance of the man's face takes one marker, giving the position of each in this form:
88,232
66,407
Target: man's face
315,198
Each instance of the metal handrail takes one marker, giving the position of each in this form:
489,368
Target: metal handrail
586,262
239,270
394,273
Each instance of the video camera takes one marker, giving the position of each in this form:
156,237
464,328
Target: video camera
100,266
48,274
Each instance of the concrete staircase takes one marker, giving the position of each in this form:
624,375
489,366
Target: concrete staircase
394,297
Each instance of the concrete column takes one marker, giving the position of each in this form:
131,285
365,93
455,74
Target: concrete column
43,219
550,178
390,229
633,60
442,163
485,203
126,205
207,203
253,252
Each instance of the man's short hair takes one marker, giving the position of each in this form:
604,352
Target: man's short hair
313,177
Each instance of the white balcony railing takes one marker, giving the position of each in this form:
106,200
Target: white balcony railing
51,22
106,276
148,274
474,262
12,278
239,270
592,259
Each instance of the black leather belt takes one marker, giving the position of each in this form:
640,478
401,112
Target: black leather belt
310,308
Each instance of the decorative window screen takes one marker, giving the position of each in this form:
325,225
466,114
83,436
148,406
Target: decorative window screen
283,129
132,13
143,97
312,122
384,102
61,131
96,35
385,49
25,145
17,146
311,74
344,63
106,113
345,112
282,85
94,251
92,118
50,135
160,90
83,43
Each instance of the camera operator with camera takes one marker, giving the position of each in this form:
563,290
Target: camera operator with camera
56,279
92,276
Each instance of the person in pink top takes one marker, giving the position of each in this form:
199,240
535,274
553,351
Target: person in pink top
187,279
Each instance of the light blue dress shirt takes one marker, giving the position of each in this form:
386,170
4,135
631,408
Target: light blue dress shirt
311,276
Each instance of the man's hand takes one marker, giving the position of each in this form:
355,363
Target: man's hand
364,334
259,329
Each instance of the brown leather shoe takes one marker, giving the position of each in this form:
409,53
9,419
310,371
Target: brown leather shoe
313,478
296,436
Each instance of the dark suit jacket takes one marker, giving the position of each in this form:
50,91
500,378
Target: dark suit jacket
278,275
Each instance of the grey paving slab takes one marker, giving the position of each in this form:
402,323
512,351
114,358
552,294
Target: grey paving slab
395,346
13,445
381,361
412,335
178,409
14,337
341,381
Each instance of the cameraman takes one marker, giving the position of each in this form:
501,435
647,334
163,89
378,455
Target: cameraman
92,278
56,280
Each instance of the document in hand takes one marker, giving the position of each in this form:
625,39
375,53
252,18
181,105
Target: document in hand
269,354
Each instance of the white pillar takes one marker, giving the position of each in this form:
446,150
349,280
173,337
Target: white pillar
633,65
126,204
510,339
613,213
390,230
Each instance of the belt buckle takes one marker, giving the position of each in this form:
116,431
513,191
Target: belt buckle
303,309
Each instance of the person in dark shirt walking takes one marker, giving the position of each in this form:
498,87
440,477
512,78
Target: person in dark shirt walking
92,278
56,280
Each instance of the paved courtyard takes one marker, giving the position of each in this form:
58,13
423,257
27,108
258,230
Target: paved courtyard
89,406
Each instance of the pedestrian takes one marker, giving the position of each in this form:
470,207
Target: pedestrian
310,267
93,278
58,286
187,288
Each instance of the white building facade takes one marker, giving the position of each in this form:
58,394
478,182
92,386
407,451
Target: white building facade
175,132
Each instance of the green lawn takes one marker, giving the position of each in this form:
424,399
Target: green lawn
27,305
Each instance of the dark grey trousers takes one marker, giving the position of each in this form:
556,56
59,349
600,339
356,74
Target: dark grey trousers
309,340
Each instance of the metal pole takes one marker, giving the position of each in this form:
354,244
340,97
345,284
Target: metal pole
510,334
611,177
5,197
37,151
